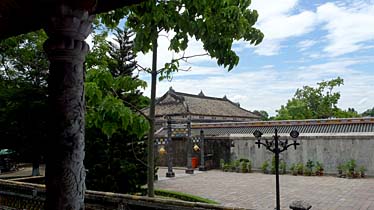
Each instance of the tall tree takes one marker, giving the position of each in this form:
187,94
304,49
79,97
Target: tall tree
315,103
114,134
368,113
264,115
24,71
215,23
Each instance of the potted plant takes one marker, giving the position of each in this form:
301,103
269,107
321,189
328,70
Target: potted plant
340,170
264,167
282,167
244,167
309,168
273,165
221,163
319,169
249,164
293,169
351,166
300,168
362,170
226,167
237,166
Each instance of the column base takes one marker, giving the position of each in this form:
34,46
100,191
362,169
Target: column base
170,174
202,168
189,171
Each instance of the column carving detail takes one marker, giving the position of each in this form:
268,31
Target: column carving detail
66,50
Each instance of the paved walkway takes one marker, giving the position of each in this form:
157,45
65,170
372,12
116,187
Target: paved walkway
257,190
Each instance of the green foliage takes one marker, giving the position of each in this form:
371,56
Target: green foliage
23,59
283,167
273,165
264,115
221,163
105,110
368,113
23,95
114,130
265,167
308,170
183,196
226,167
244,167
293,169
362,170
315,103
300,168
351,166
319,168
350,169
217,24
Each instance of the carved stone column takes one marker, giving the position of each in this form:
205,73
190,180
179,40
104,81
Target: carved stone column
66,49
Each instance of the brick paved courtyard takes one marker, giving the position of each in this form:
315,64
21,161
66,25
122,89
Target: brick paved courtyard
257,190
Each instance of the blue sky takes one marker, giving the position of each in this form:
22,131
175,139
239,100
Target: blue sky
305,42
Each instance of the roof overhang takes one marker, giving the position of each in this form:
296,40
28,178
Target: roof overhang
23,16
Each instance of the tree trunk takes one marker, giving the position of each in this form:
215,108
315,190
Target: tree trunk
66,50
151,135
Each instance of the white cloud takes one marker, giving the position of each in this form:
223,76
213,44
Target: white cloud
164,55
271,8
306,44
268,47
268,89
278,23
348,27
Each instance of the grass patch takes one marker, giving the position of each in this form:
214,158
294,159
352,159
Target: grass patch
183,196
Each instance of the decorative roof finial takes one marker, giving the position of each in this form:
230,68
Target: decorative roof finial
201,93
171,89
224,97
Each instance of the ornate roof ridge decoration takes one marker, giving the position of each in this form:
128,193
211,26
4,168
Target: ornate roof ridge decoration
201,93
341,121
199,96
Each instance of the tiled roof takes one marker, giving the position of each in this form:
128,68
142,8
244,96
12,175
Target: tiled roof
356,125
173,103
330,126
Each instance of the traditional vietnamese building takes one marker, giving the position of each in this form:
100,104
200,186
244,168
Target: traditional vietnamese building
199,108
183,108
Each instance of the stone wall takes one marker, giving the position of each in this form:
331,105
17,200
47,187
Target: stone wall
329,149
17,195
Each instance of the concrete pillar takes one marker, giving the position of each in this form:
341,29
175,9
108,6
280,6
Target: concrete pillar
66,49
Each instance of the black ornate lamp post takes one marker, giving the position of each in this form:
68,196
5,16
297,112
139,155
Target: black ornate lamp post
277,146
169,153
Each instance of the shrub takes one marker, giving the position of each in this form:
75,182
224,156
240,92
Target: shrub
300,168
273,165
309,168
319,169
293,169
244,167
362,170
249,164
282,167
226,167
221,163
236,166
264,167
